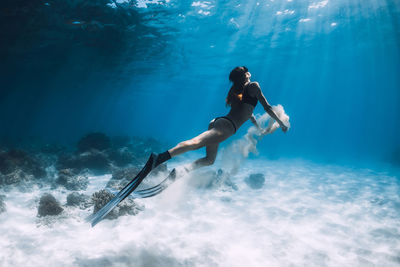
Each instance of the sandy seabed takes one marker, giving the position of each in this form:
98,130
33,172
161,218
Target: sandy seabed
305,214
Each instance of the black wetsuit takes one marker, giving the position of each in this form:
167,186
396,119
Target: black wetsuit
227,118
246,98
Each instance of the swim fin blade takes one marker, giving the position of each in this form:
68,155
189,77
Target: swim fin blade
155,190
132,185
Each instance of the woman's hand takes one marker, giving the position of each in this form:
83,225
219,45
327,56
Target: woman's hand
270,129
265,131
284,128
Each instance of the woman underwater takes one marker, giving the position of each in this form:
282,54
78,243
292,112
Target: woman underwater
242,98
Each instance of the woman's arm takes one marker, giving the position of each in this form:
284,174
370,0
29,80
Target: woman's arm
254,121
267,107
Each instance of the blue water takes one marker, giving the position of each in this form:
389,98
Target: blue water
163,71
160,69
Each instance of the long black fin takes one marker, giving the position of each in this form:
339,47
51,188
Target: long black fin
132,185
155,190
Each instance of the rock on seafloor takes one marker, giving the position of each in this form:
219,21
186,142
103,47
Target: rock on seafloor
72,179
97,141
100,154
94,160
76,199
126,207
48,205
122,177
255,180
121,157
17,166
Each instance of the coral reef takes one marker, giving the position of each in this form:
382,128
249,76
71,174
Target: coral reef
97,141
76,199
128,206
48,205
17,166
72,180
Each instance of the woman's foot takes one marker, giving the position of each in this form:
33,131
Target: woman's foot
160,158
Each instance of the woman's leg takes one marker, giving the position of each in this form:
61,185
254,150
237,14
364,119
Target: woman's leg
210,139
209,159
218,131
207,138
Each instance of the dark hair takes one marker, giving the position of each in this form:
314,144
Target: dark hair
238,78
